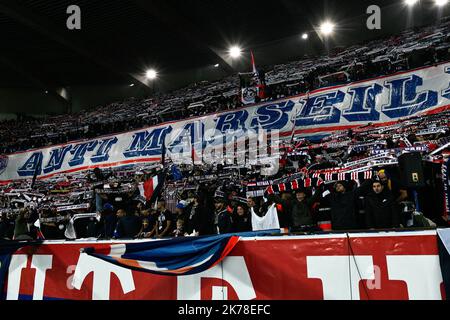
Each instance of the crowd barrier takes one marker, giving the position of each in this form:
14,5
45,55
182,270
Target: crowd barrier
343,266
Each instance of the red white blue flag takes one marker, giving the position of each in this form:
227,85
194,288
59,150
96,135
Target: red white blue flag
176,256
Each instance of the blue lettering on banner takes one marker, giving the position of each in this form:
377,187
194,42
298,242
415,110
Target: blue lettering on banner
31,165
194,131
404,98
56,158
79,151
147,143
102,153
320,109
233,121
362,105
446,92
273,116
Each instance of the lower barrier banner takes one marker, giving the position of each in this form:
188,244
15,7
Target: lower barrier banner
354,266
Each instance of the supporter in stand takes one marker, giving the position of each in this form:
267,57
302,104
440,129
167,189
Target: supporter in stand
4,225
179,231
128,225
380,209
108,221
253,205
342,202
192,217
146,226
400,194
165,223
222,218
241,219
21,231
301,209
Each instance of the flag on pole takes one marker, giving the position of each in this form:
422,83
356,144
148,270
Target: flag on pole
253,64
39,234
151,188
36,170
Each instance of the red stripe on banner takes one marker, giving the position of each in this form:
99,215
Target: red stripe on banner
282,187
295,185
230,245
106,165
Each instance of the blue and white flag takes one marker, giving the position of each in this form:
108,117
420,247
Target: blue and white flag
176,256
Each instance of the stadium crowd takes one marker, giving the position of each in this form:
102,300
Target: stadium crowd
413,48
350,180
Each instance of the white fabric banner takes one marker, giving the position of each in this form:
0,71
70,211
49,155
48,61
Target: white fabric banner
381,101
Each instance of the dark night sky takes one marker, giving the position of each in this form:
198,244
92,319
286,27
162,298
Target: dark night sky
120,39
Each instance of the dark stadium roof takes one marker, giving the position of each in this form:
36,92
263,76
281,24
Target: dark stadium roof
121,38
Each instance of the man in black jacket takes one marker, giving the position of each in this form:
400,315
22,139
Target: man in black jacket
222,218
342,202
300,211
380,208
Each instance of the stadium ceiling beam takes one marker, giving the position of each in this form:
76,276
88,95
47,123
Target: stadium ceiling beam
33,79
43,26
160,11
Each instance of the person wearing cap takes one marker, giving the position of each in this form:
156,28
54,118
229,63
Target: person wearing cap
222,218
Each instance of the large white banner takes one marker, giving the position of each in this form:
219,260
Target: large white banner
380,101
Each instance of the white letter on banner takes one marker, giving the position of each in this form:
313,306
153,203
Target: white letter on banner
41,263
422,275
232,269
18,262
102,276
336,276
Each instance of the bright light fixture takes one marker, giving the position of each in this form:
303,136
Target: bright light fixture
304,36
235,52
151,74
327,28
410,2
440,3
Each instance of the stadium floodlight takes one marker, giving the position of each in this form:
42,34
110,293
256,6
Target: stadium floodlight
216,65
327,28
132,85
440,3
304,36
410,3
151,74
235,52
